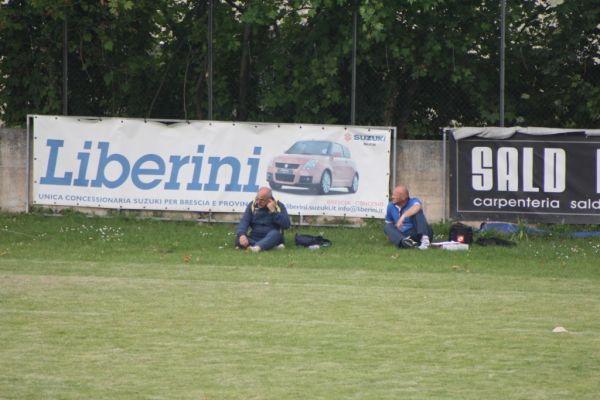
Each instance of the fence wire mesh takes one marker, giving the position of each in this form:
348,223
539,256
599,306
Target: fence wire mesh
419,66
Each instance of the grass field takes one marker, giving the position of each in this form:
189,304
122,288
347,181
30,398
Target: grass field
143,309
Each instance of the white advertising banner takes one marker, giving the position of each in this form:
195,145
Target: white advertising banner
210,166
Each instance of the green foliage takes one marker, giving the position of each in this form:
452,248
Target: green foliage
421,64
521,233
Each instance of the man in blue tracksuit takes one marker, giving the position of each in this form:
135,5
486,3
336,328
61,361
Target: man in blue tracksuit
405,222
266,218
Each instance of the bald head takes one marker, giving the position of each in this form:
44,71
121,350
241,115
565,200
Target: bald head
263,196
400,195
264,192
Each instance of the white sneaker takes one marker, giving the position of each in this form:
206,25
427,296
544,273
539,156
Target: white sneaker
280,246
254,249
424,243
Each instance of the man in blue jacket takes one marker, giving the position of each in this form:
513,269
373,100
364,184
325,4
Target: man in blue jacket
266,218
405,222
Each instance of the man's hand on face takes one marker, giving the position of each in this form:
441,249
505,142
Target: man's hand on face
271,205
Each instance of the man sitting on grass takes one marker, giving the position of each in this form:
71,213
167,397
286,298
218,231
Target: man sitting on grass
405,222
266,218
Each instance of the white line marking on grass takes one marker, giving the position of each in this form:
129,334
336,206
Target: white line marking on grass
44,312
291,321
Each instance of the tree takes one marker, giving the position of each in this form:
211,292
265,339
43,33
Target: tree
554,73
421,64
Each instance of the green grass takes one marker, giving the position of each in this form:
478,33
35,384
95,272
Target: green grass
143,309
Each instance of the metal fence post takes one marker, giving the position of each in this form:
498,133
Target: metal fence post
354,39
65,62
444,175
502,45
210,59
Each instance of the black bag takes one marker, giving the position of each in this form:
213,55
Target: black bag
310,240
461,233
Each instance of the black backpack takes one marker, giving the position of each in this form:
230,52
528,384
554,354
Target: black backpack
310,240
460,232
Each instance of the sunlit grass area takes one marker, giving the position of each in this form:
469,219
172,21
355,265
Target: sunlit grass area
124,308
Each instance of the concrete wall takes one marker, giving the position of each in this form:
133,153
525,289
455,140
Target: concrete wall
419,166
13,169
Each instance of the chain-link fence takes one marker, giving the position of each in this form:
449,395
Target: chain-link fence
419,65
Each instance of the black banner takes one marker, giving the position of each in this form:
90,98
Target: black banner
550,178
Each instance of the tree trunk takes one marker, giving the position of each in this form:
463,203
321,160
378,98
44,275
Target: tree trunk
405,107
391,101
398,105
198,95
242,111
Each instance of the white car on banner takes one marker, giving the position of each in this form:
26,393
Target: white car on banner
314,164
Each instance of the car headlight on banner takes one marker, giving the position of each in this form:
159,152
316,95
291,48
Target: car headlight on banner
311,164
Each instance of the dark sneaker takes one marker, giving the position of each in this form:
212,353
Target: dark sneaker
408,243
